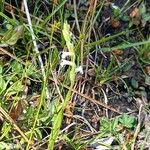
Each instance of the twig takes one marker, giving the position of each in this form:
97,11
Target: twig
89,98
137,128
11,55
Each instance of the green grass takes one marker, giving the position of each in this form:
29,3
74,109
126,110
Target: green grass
41,90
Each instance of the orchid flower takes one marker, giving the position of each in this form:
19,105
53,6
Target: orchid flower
65,54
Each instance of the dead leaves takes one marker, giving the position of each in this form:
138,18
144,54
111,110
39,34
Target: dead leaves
16,111
55,2
69,112
92,6
135,13
115,23
118,52
91,72
147,69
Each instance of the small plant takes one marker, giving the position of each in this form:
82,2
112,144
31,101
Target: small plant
72,72
114,128
127,121
144,54
12,36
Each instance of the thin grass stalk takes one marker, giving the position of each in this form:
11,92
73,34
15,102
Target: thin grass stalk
42,97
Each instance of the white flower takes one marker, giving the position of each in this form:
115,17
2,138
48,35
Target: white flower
79,69
114,6
24,111
70,63
65,54
66,62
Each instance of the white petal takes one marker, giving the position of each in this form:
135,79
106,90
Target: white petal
65,54
79,69
114,6
66,62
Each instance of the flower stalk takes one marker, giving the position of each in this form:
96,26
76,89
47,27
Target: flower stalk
58,118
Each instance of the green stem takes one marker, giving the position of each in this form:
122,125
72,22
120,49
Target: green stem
58,118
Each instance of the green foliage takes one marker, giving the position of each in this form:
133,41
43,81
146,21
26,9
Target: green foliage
12,36
6,131
145,16
2,84
60,109
114,128
38,134
127,121
5,146
2,81
2,5
116,11
110,126
74,145
54,60
16,67
15,88
82,42
144,53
